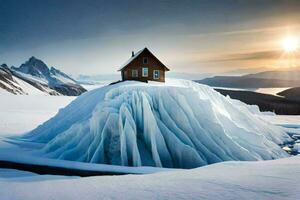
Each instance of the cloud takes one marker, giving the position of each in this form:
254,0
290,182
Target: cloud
274,29
254,55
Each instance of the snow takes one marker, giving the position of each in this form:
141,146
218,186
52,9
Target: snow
33,78
4,92
12,173
276,179
10,153
297,147
283,120
22,113
50,81
27,88
63,79
54,77
97,84
5,84
178,124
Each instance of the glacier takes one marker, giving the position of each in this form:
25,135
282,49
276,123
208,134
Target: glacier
177,124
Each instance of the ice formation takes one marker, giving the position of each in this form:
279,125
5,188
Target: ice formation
180,125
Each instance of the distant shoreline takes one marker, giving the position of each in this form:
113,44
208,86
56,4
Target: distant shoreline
265,102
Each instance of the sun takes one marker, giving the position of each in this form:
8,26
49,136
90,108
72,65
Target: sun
290,44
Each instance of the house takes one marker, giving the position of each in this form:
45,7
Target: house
143,66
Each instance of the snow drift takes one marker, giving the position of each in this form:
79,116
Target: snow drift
275,180
182,125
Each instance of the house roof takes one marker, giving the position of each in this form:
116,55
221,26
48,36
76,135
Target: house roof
136,55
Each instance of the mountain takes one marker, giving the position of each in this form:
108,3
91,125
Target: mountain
8,82
61,75
35,73
291,93
290,75
290,78
247,82
243,71
266,102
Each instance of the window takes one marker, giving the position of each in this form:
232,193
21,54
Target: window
134,73
145,72
155,74
145,60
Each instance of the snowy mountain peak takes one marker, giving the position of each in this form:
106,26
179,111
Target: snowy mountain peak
4,66
36,73
34,67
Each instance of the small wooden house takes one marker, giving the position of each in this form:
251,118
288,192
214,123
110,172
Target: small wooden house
143,66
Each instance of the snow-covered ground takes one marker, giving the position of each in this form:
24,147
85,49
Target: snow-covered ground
276,179
284,120
97,84
22,113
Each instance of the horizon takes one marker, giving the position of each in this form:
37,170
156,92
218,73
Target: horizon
200,37
139,99
185,75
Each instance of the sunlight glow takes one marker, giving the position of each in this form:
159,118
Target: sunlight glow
290,44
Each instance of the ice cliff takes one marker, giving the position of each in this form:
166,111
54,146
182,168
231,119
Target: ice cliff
180,124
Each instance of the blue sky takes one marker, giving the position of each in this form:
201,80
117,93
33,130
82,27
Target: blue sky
95,37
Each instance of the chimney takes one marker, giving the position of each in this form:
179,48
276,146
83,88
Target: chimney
132,54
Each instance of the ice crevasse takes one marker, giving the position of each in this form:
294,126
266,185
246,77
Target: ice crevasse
178,125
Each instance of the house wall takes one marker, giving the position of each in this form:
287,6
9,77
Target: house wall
137,64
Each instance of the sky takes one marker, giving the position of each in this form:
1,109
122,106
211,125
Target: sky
192,36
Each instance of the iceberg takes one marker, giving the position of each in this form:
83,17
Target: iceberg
177,124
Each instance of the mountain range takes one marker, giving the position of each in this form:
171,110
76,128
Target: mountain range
267,79
34,76
286,102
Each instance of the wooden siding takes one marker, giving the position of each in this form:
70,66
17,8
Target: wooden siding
138,64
